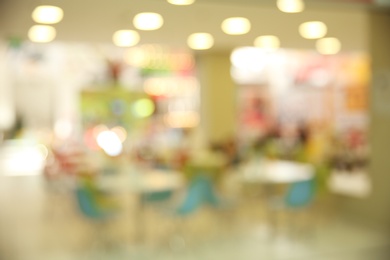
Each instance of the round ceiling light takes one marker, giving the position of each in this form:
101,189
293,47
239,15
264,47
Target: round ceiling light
181,2
200,41
328,46
236,26
42,33
125,38
47,14
291,6
313,30
267,42
148,21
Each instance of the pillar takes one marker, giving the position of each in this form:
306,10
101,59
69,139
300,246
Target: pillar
218,96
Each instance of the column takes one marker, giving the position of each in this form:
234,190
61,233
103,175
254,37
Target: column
218,96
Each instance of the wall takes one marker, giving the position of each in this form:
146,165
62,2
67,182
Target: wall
375,210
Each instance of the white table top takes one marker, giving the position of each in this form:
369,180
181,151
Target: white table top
276,171
354,184
141,181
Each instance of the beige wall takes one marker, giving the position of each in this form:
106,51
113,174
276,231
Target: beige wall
218,96
375,210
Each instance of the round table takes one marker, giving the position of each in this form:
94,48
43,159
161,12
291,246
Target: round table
276,171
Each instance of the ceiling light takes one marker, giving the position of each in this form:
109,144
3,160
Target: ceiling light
291,6
42,33
313,30
267,42
125,38
236,26
47,14
181,2
328,46
148,21
200,41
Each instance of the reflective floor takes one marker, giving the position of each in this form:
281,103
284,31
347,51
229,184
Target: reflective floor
38,221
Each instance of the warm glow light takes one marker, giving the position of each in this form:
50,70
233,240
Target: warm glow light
43,150
267,42
148,21
200,41
291,6
120,132
42,33
137,57
143,108
181,2
125,38
47,14
236,26
170,86
313,30
63,129
23,158
155,87
328,46
182,119
110,143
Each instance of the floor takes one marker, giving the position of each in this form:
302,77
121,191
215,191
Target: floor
41,222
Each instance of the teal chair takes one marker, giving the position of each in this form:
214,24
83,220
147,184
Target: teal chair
99,215
89,205
297,201
200,192
300,194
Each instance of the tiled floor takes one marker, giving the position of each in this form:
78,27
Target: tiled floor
39,224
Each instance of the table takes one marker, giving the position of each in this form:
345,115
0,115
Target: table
276,171
271,173
354,184
140,181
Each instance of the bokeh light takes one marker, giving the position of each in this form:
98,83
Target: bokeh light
143,108
47,14
148,21
181,2
182,119
267,42
125,38
110,143
291,6
236,25
313,30
328,46
200,41
42,33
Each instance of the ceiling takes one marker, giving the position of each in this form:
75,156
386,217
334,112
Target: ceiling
97,20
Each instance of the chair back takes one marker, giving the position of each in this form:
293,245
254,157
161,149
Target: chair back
200,192
87,203
300,194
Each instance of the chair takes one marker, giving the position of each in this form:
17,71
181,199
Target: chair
298,199
200,192
96,208
300,194
90,207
